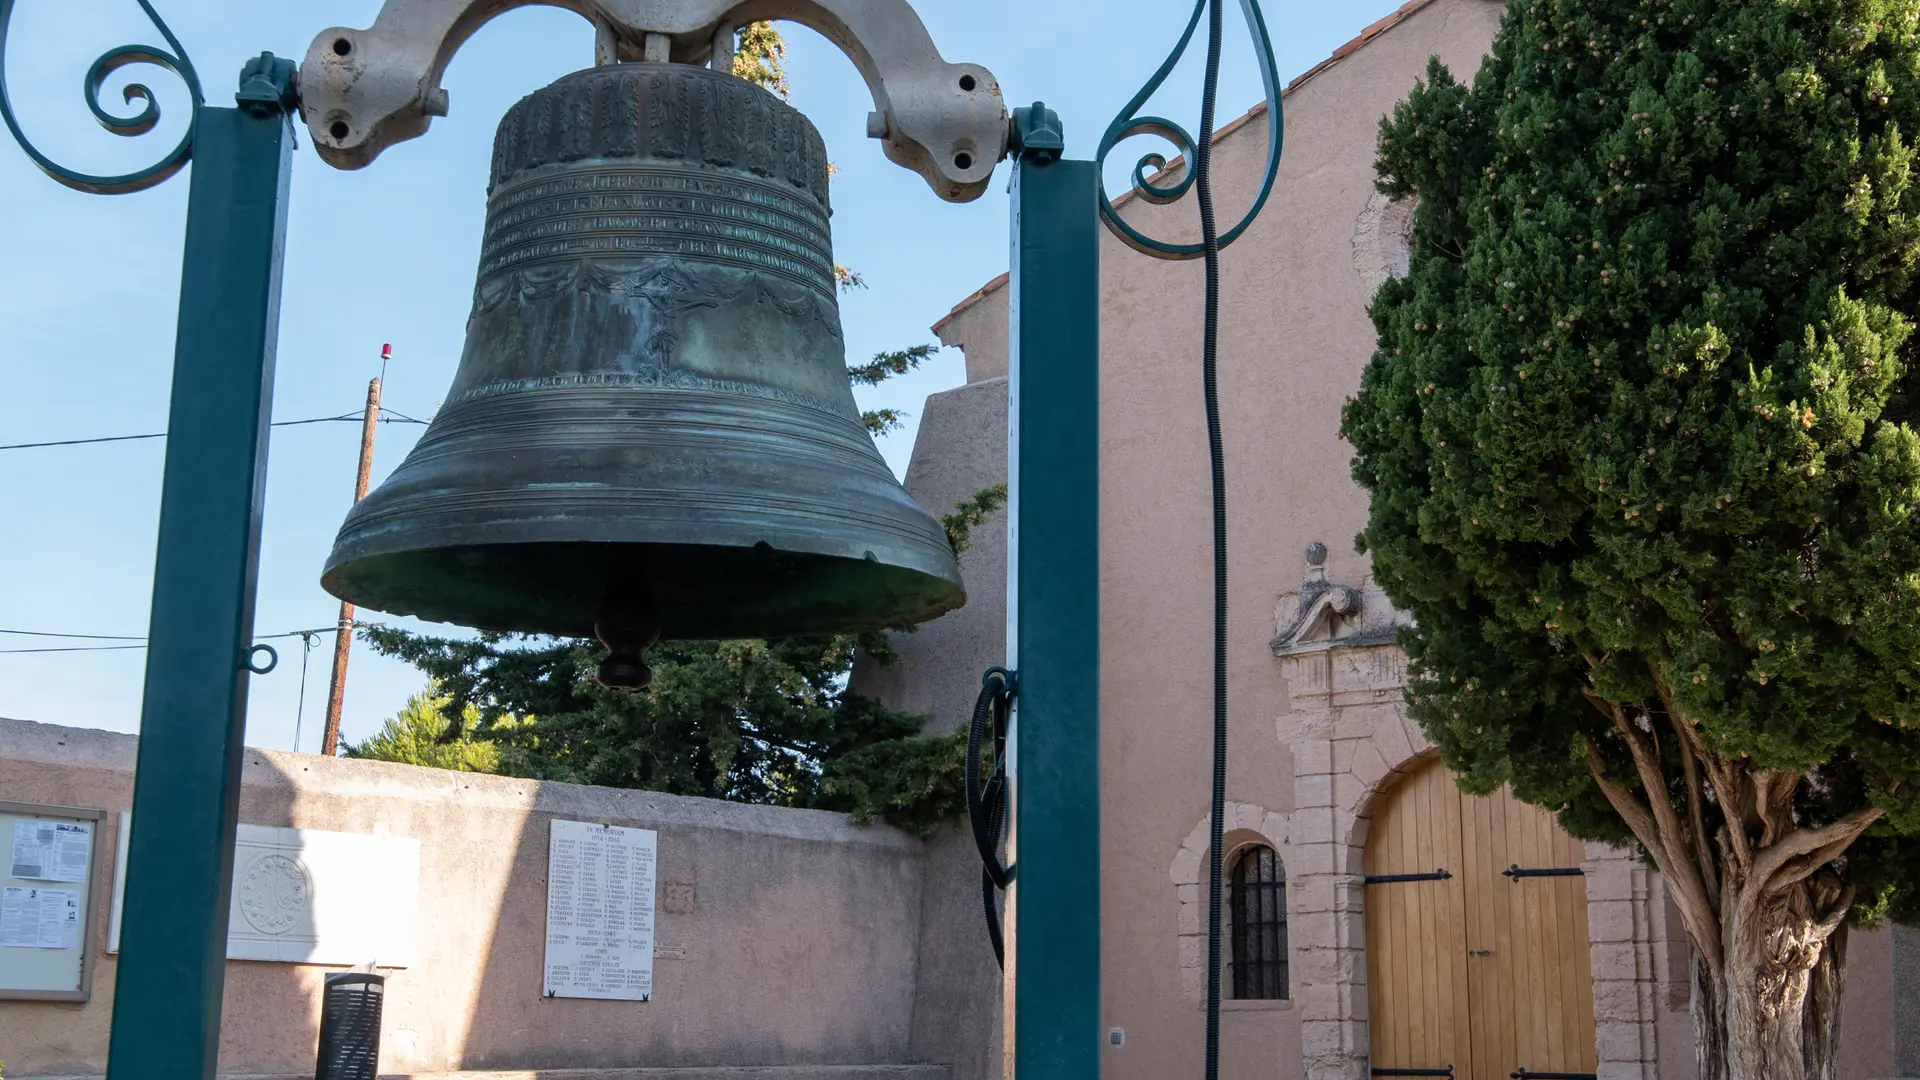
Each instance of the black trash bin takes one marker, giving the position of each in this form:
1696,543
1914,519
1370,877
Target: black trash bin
350,1026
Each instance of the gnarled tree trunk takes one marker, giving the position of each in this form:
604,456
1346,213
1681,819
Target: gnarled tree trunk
1763,897
1709,1021
1777,998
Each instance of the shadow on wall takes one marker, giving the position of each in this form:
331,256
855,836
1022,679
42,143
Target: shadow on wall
782,936
785,937
430,1005
272,1010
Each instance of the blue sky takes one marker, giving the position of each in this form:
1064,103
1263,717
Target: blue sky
88,287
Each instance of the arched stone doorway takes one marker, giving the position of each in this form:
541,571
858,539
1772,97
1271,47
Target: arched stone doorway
1477,937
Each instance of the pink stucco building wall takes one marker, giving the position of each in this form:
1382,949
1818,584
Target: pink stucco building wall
1317,733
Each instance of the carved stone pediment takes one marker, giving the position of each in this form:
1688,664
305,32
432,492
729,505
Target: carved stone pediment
1325,615
1338,644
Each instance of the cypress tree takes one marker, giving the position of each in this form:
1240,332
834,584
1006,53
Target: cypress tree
1640,439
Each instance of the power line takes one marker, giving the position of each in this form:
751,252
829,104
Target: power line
300,712
74,648
396,418
304,633
82,442
141,640
87,637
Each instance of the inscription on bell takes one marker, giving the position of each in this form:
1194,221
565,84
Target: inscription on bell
751,257
654,180
695,206
666,225
641,211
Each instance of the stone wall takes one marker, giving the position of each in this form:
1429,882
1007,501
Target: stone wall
1906,1001
784,937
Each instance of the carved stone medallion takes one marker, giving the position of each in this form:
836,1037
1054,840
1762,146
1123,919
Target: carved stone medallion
275,894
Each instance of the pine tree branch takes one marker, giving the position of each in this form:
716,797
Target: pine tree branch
1638,817
1691,753
1647,763
760,58
1703,921
1657,826
1837,913
886,365
1725,778
1773,799
1823,844
973,511
883,421
1701,840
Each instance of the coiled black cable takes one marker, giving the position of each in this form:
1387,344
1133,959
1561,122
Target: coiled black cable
987,798
1216,456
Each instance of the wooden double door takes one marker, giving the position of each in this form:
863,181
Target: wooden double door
1477,963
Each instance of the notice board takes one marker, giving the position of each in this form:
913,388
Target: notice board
47,892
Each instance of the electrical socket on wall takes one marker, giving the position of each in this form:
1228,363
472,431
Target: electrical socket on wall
1117,1036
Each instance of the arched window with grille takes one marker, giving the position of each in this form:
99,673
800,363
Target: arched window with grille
1257,925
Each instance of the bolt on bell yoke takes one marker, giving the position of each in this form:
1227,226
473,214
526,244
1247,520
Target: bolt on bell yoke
651,433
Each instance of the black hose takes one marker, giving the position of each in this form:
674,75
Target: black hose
987,799
989,888
1209,363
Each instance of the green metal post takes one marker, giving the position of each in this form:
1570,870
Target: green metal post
1053,621
167,995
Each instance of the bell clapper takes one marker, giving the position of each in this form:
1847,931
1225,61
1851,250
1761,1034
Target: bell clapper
628,625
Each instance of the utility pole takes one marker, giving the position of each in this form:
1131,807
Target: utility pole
343,636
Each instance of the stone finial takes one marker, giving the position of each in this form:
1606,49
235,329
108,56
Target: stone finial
1324,614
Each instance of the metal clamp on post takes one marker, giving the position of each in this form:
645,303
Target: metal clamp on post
365,90
262,667
1036,133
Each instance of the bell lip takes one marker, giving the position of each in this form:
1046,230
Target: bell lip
908,551
939,585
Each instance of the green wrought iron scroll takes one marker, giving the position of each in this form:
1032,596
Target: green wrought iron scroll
1130,124
140,123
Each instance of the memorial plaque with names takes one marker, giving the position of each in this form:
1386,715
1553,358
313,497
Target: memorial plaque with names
600,881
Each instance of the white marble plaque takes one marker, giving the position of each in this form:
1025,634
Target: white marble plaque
600,911
306,897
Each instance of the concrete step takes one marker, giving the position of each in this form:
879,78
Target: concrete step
709,1073
754,1072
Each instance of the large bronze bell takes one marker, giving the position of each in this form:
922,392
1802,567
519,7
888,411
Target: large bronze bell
651,431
